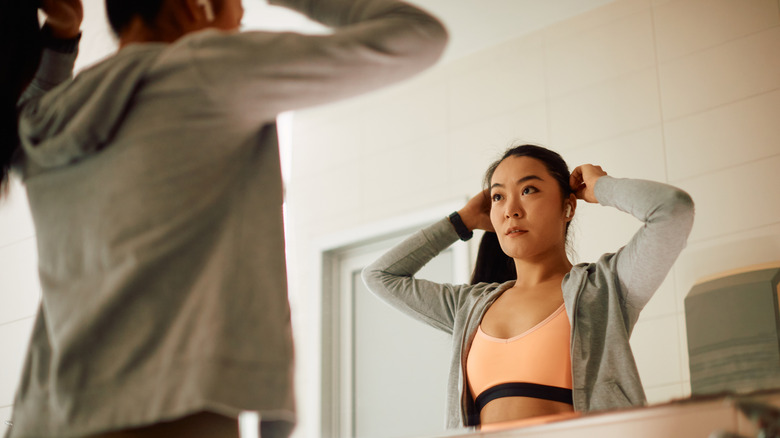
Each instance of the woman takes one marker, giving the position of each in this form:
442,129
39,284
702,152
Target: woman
154,183
555,340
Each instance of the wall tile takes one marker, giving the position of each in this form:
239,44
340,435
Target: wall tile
597,230
15,221
663,393
606,52
332,196
595,18
726,252
326,137
639,154
21,289
664,301
5,415
496,81
655,344
685,370
472,147
686,386
683,27
405,178
606,110
728,135
735,199
728,72
14,338
403,114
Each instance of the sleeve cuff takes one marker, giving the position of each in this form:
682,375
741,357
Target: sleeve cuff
59,45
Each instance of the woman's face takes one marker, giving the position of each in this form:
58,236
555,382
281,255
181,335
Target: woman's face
527,209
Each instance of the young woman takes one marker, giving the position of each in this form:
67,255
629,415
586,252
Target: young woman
556,339
154,183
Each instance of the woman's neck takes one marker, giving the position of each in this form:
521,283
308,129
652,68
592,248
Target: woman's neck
139,32
541,269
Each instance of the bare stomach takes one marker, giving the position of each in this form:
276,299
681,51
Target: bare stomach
518,408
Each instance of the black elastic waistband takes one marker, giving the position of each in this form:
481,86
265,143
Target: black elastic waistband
523,389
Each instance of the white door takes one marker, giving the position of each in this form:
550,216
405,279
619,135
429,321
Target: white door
394,368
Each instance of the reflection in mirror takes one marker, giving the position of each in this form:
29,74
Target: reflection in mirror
647,90
383,365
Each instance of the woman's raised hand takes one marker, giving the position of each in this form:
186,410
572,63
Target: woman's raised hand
63,17
583,179
476,213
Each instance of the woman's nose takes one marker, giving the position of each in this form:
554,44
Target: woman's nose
513,210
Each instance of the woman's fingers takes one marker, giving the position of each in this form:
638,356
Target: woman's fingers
63,17
583,179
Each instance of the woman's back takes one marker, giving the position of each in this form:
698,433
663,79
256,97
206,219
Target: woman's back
168,245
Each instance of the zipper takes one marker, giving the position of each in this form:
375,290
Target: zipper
573,329
464,353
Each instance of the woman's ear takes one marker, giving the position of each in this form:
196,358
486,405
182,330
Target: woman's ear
570,207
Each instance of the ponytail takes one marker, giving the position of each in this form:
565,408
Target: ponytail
20,46
493,265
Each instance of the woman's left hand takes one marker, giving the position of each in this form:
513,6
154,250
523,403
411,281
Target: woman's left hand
63,17
583,179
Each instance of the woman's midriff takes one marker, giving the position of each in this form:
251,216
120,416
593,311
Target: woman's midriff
517,408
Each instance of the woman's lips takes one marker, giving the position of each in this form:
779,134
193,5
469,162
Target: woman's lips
515,232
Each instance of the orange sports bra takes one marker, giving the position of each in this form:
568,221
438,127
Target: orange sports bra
536,363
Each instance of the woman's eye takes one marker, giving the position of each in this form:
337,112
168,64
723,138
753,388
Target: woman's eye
530,189
496,197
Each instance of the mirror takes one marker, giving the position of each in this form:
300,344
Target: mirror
676,91
669,91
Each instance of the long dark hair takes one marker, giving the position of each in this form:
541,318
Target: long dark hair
493,265
121,12
20,45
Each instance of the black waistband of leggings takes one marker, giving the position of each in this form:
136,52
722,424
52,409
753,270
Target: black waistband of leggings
523,389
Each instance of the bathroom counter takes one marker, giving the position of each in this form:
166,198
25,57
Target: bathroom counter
705,417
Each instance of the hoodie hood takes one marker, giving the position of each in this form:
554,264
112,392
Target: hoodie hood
79,117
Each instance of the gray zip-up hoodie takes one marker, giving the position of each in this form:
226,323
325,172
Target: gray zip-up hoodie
155,187
602,299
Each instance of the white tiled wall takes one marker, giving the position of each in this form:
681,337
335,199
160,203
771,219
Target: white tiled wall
682,91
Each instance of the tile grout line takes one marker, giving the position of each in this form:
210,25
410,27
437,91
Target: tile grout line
17,241
721,105
722,169
547,97
14,321
745,230
657,67
704,49
660,96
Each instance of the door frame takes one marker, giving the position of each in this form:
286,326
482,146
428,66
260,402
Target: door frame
335,404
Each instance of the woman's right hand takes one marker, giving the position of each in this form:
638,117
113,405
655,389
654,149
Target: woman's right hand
63,17
476,213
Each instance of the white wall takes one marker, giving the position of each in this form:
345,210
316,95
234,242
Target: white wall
682,91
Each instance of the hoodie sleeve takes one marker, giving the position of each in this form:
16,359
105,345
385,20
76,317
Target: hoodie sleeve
391,278
55,68
374,43
667,213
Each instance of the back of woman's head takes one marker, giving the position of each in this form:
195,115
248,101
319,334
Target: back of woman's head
492,264
20,46
121,12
